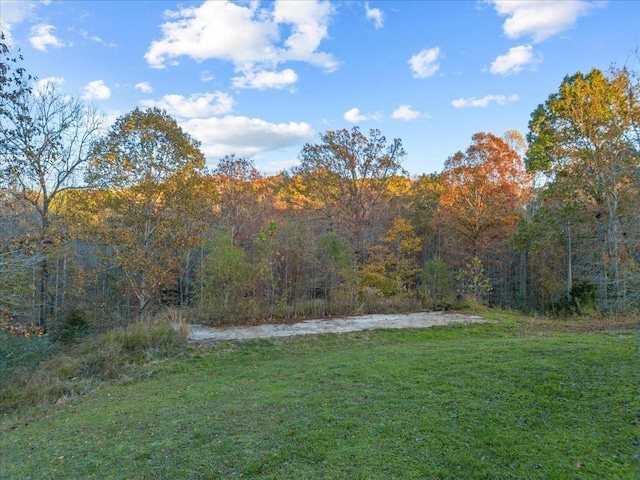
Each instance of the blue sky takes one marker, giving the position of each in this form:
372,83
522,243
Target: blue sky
260,79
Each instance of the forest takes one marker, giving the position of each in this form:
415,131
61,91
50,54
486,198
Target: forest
102,226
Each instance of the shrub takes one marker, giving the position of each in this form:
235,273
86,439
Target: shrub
177,319
436,284
469,303
63,367
72,324
228,278
243,309
43,387
583,296
582,300
373,300
472,282
103,362
51,380
17,351
310,308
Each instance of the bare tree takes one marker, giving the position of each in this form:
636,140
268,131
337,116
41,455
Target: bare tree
45,139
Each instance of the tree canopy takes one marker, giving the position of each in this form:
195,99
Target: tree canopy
117,224
585,139
147,172
346,174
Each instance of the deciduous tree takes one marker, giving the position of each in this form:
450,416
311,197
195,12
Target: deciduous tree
45,141
147,169
394,265
585,139
484,191
345,175
228,278
437,285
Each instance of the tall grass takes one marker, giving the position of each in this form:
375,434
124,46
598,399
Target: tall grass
36,372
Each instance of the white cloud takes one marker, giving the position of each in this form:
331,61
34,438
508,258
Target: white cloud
245,136
44,83
514,60
425,63
42,37
309,24
374,14
96,90
273,167
220,30
144,87
354,116
206,76
249,37
94,38
12,13
484,101
540,19
264,80
405,112
196,106
110,118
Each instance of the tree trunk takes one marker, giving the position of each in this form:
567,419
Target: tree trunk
569,264
42,294
613,251
602,271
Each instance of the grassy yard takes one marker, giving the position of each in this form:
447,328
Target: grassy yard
503,401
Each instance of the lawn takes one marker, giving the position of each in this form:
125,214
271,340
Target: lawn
472,402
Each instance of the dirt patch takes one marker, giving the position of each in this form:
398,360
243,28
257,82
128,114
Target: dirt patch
200,333
604,324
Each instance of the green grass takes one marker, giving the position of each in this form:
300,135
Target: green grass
483,401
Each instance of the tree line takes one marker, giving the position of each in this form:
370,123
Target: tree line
109,225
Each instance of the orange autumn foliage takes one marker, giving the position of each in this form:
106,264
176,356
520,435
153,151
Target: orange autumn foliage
484,192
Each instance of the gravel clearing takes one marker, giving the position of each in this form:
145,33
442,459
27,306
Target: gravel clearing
200,333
